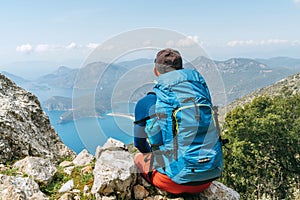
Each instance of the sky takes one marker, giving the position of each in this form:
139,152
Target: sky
68,31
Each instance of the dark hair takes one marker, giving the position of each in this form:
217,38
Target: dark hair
168,60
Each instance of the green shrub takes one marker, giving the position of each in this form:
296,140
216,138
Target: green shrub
263,158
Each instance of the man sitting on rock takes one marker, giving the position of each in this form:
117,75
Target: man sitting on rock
167,61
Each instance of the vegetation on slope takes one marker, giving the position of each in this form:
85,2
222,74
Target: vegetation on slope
262,160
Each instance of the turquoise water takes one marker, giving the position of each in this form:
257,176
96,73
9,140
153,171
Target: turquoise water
88,133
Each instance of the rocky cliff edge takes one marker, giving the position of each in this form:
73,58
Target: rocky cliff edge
25,129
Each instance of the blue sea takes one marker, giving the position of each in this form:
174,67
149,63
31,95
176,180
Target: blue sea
88,133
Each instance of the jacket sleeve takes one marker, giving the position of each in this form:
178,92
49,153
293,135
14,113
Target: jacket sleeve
143,108
140,141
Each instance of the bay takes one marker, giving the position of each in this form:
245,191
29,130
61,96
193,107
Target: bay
88,133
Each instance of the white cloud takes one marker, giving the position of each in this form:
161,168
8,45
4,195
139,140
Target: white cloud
72,45
188,41
234,43
42,48
185,42
24,48
240,43
274,41
92,45
170,43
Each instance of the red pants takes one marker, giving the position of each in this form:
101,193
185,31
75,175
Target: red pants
162,181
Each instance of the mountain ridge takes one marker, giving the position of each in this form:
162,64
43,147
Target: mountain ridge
236,77
63,77
287,86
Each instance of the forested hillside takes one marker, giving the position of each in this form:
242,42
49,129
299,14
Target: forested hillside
262,160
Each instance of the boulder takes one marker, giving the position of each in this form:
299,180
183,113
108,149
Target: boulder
110,144
218,190
114,173
18,188
67,186
83,158
25,128
40,169
113,143
140,192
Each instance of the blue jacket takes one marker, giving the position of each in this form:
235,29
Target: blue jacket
144,108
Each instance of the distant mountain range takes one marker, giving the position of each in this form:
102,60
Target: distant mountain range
281,62
63,77
58,103
27,84
242,76
94,85
287,86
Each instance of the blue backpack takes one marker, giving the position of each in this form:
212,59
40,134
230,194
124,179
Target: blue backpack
185,138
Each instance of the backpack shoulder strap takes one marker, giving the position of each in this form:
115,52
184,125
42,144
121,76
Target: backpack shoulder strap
158,115
223,141
144,119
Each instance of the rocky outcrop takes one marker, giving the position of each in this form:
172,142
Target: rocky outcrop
40,169
19,188
120,179
218,190
25,129
114,172
111,175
